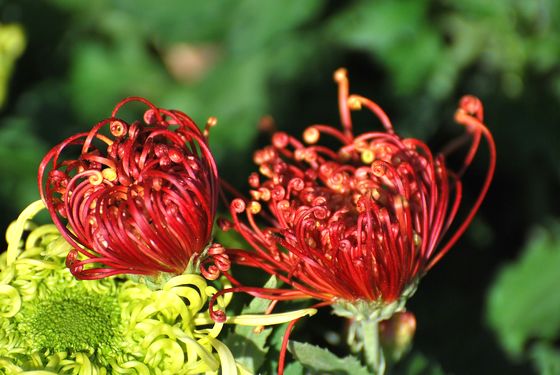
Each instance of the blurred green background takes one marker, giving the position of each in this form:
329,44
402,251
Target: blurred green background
492,306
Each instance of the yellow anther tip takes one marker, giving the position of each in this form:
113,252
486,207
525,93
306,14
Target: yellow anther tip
341,74
354,103
109,174
367,156
265,171
417,239
212,121
254,207
311,135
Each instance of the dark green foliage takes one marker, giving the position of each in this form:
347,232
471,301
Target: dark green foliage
418,364
524,302
249,344
242,60
320,360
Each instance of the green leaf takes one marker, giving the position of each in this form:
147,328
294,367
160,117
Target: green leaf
259,305
546,359
101,76
230,239
523,303
396,33
247,345
99,6
21,152
248,348
236,94
269,20
379,25
294,368
201,20
418,364
318,359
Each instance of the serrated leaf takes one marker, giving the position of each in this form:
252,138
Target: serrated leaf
523,303
318,359
246,344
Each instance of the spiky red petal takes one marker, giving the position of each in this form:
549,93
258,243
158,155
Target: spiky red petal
140,198
361,222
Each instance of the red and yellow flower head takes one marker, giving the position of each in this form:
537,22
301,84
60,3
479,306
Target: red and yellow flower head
358,224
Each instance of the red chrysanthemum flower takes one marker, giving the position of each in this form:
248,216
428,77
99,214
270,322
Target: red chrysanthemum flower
355,226
140,198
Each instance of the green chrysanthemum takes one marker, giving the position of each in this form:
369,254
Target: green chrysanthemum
52,323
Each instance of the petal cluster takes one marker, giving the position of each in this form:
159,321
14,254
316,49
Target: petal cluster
139,198
362,221
50,322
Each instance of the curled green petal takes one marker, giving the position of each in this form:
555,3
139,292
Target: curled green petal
10,301
201,351
190,279
228,362
167,351
15,230
10,368
130,367
261,320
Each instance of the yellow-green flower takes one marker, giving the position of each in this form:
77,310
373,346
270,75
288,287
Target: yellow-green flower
52,323
12,44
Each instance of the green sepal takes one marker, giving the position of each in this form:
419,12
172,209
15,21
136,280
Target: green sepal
373,310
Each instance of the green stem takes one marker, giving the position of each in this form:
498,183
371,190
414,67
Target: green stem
373,352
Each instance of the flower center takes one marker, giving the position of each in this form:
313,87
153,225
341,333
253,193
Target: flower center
76,320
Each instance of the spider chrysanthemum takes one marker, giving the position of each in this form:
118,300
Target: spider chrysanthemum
50,321
139,198
360,223
354,226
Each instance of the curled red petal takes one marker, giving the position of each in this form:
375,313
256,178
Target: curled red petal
141,200
361,222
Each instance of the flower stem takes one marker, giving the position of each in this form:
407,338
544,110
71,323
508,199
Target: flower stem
373,352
